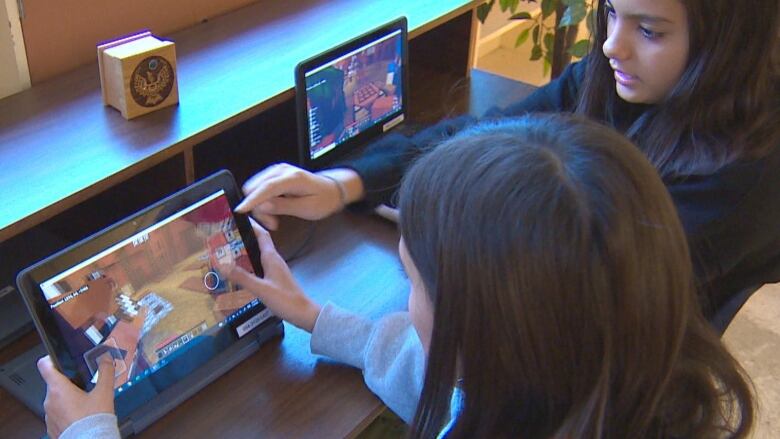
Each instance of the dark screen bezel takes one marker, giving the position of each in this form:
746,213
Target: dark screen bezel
29,280
357,142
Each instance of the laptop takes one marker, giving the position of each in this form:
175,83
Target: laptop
148,294
351,94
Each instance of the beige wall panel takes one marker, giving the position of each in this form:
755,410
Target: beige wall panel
62,35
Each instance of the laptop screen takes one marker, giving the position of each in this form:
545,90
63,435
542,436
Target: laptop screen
352,90
149,298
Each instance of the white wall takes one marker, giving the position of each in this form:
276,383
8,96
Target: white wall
14,75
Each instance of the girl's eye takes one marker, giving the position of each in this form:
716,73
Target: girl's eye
610,10
649,34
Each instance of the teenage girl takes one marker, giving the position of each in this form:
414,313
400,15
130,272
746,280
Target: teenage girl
694,83
574,317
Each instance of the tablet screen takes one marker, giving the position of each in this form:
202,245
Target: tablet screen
352,93
153,296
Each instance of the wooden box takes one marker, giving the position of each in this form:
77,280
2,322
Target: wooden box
138,74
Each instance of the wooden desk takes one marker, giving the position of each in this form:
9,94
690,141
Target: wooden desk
60,146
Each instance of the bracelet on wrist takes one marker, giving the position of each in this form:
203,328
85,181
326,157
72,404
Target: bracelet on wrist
341,188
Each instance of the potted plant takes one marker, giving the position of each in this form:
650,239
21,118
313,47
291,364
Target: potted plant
553,32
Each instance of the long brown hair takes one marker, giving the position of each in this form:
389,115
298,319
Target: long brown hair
562,291
725,105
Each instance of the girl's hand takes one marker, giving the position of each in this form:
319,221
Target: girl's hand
283,189
277,289
65,403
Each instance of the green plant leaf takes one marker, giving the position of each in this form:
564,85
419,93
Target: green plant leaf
521,16
536,53
573,15
522,37
579,49
483,10
548,7
546,68
510,5
549,41
536,35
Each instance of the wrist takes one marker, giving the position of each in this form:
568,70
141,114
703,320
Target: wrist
341,189
313,313
347,180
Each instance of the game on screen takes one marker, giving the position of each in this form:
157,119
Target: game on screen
149,297
353,93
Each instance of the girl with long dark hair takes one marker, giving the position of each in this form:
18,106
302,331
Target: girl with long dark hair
693,83
576,315
551,290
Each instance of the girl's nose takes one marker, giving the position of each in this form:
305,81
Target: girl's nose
616,46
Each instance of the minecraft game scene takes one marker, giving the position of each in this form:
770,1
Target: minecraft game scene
353,93
145,298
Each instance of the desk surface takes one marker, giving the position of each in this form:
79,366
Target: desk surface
59,145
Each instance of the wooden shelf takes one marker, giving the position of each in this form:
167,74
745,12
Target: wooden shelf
60,146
